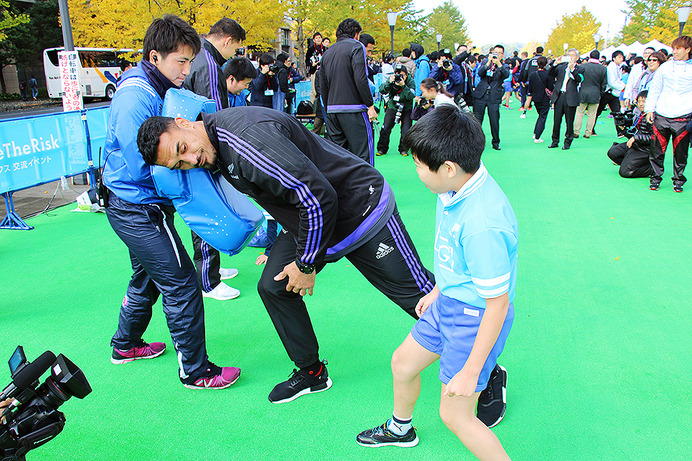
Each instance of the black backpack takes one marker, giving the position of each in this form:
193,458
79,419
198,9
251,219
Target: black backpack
305,108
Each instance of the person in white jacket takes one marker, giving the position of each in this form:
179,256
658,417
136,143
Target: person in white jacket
669,107
611,97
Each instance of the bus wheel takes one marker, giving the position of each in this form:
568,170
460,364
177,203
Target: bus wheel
110,91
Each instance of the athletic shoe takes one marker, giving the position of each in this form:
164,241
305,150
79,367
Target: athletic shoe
587,136
380,153
142,351
227,273
677,188
553,145
621,136
538,141
653,187
522,116
404,154
380,436
222,292
216,378
576,136
492,402
300,383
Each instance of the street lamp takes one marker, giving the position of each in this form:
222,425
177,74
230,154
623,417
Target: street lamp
391,19
596,38
439,40
683,15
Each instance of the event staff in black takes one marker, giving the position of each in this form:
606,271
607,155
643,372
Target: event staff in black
489,91
330,203
346,95
565,98
207,79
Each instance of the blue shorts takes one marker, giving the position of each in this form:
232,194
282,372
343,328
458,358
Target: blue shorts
449,327
507,86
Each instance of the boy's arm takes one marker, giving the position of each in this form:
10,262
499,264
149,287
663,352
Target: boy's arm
464,383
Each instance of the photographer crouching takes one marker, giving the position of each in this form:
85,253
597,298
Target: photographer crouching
400,92
633,155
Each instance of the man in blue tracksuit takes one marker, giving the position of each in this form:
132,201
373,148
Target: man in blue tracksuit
422,65
144,221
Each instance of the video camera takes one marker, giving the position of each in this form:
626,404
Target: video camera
33,419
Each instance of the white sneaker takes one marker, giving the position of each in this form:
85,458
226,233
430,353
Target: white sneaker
538,141
222,292
522,116
227,273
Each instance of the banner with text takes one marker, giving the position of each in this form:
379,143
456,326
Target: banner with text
35,150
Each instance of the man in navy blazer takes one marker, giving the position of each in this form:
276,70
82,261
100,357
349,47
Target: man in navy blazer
489,91
565,98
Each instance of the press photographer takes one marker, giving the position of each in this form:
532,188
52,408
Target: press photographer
449,74
633,155
29,412
400,93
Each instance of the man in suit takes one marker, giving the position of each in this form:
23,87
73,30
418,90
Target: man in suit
593,85
565,98
489,91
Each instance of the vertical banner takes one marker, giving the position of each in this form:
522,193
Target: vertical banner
69,75
303,90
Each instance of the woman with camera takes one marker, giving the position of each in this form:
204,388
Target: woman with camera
400,90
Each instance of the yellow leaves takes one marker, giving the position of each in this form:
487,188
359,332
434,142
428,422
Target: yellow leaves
576,30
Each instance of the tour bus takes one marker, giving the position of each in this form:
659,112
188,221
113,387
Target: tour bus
99,70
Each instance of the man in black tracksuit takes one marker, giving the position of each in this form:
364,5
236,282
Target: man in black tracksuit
346,95
206,79
330,203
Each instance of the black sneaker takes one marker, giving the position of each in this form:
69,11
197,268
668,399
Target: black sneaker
300,383
653,186
677,188
380,436
492,402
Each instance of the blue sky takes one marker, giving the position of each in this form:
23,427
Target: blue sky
506,21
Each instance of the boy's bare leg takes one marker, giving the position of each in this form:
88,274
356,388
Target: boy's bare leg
408,360
459,415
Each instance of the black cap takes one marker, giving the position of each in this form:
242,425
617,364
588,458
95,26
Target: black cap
401,67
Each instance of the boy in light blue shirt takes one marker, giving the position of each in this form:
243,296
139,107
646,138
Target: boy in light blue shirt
464,322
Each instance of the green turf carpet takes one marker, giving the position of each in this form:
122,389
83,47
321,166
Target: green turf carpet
598,357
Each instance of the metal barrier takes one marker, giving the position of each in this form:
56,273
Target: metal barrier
39,149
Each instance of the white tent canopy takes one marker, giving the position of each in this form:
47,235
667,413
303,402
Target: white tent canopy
636,48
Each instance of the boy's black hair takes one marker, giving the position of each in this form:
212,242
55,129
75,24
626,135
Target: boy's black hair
471,59
367,39
239,68
315,35
226,27
265,59
406,52
643,94
149,135
446,134
434,56
168,34
348,27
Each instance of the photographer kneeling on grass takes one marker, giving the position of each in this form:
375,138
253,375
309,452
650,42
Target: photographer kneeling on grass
633,155
401,93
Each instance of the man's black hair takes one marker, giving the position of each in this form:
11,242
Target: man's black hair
638,59
539,49
239,68
643,94
617,53
595,54
168,34
471,59
446,134
265,59
367,39
124,64
282,57
434,56
149,135
541,62
446,53
499,46
349,27
226,27
406,52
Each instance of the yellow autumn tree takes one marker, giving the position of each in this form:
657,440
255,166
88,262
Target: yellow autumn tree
122,24
577,30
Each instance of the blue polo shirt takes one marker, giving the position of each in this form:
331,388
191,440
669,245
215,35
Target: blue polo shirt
476,242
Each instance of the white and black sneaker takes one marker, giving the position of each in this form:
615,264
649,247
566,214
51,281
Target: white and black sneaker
300,383
381,436
492,403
